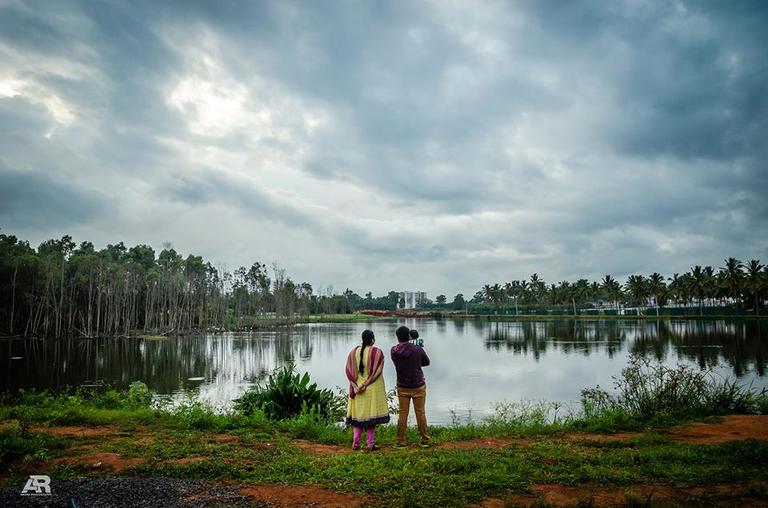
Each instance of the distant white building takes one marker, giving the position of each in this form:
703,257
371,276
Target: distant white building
412,298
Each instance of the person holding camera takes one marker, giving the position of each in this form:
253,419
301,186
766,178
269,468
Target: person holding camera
411,386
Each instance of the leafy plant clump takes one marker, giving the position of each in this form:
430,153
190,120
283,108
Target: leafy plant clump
287,394
649,390
139,395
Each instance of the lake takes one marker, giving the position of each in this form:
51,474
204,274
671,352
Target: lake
474,363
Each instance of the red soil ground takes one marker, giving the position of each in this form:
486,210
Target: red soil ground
730,428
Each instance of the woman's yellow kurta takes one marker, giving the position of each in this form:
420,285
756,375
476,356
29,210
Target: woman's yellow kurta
369,407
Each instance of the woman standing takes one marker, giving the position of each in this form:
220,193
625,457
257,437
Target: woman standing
367,395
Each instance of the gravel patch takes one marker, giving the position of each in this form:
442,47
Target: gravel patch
129,492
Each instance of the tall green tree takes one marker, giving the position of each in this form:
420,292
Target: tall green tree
755,282
732,278
657,288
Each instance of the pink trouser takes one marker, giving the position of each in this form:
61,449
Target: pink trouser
370,433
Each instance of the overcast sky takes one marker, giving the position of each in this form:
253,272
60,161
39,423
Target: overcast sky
385,145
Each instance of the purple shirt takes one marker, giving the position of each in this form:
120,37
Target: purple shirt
408,360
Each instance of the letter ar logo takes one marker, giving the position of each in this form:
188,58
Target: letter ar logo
37,485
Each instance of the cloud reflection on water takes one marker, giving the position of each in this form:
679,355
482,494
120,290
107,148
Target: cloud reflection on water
474,363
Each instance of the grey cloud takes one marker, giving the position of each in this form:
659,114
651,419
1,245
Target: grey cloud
215,186
43,201
599,129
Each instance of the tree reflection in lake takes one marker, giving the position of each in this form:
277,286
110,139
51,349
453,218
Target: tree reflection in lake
709,344
474,363
535,337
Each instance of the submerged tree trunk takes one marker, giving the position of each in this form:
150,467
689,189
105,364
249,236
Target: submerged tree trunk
13,297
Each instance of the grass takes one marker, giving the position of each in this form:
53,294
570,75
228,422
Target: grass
253,448
416,477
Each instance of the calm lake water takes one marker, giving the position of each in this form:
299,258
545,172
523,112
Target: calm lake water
474,363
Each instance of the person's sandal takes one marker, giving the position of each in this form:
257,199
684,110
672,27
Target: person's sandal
424,444
399,446
373,448
355,447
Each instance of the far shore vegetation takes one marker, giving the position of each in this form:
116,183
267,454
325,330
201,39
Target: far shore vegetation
65,289
285,432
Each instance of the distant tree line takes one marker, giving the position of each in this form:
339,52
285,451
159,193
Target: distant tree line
736,284
62,288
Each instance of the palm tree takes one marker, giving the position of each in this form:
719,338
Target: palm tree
564,293
538,287
525,291
677,288
512,289
710,283
637,288
580,292
612,289
698,285
487,293
657,288
732,277
594,290
755,282
497,295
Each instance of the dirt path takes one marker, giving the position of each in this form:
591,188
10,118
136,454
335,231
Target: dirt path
300,496
730,428
725,495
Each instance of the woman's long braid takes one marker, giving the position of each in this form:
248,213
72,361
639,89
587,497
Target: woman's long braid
367,341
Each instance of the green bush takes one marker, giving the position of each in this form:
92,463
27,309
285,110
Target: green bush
649,390
200,416
139,395
18,442
287,394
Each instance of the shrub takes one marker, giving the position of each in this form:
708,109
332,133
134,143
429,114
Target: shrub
650,390
17,442
139,395
287,394
197,415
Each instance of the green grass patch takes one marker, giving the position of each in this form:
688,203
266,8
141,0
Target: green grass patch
248,446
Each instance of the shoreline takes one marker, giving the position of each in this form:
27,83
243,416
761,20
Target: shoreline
637,442
91,454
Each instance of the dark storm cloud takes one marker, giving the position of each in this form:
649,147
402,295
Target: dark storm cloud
37,200
481,140
215,187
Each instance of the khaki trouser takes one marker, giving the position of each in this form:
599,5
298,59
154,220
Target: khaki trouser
419,396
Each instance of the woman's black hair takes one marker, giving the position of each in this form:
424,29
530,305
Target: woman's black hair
414,334
367,341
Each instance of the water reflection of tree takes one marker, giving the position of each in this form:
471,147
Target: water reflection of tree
649,338
737,344
709,344
234,358
570,337
165,365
